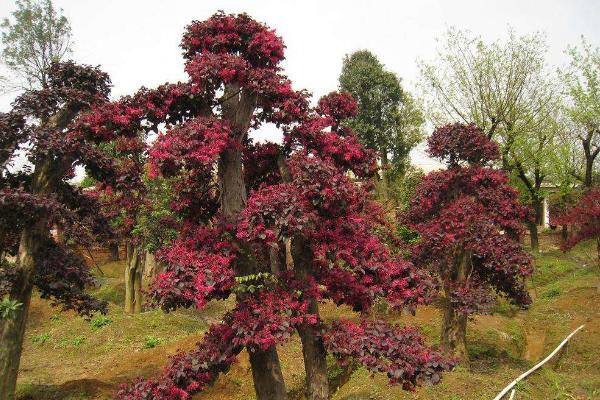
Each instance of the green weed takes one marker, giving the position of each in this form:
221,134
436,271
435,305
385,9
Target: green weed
151,342
100,322
40,339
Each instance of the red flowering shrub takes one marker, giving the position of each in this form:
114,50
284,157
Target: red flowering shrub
468,219
338,106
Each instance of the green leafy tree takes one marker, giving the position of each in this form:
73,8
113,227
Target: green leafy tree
582,86
389,119
35,36
157,225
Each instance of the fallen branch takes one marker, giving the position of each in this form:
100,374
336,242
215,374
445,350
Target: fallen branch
537,366
94,260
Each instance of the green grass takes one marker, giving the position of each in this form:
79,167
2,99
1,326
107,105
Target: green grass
550,292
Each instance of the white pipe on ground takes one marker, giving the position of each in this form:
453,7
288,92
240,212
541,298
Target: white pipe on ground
544,361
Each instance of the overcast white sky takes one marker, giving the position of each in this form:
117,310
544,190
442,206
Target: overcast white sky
137,41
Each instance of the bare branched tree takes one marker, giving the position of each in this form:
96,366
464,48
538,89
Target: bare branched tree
504,87
35,36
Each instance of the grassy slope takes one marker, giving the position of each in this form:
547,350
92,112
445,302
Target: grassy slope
65,357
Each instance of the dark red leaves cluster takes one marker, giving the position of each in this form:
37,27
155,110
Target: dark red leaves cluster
399,352
584,217
195,145
461,143
62,276
234,34
198,269
338,106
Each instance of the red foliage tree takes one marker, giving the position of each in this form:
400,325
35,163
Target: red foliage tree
263,200
584,216
468,219
42,127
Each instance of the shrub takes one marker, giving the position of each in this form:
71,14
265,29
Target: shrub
100,322
8,308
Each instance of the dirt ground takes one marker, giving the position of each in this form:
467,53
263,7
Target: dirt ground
66,357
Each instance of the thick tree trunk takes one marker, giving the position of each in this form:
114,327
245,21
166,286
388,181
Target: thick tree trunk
538,206
134,269
313,349
590,152
315,361
47,173
266,374
266,368
534,236
12,330
454,333
454,324
114,251
589,171
238,109
150,265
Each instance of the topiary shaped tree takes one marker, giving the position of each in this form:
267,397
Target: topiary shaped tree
42,128
468,219
280,226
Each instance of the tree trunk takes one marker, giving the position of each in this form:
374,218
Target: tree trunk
598,253
313,349
266,368
589,170
564,232
150,265
59,234
12,330
133,279
538,206
266,374
454,324
114,251
385,176
315,360
534,237
238,109
454,333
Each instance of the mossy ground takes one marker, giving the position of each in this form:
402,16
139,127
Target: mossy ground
66,357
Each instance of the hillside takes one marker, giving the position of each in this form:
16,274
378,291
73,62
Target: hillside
66,357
